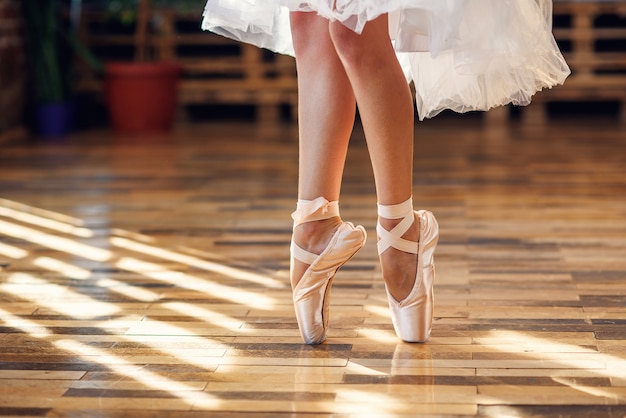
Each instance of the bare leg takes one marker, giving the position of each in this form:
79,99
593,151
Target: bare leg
386,109
326,112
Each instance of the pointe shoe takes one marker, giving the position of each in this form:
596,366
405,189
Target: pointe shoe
311,293
412,317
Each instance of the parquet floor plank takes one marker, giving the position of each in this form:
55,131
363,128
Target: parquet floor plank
148,276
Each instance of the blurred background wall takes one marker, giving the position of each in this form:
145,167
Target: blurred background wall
224,79
13,75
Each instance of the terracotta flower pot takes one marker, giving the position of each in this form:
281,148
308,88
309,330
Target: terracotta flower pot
142,96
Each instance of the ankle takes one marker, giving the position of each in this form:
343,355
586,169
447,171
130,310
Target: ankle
314,236
411,233
388,224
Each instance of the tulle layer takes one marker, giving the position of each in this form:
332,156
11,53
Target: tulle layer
462,55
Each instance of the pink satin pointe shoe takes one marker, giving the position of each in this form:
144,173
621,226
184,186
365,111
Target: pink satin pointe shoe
311,293
413,316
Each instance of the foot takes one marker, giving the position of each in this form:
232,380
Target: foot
398,267
411,300
321,244
314,238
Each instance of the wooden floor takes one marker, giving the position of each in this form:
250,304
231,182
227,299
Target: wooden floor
149,277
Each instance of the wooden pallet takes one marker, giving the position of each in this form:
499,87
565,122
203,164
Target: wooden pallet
12,69
595,51
229,72
216,69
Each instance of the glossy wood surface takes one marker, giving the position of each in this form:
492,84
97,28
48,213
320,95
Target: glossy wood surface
149,277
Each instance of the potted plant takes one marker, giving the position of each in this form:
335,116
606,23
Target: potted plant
141,95
51,46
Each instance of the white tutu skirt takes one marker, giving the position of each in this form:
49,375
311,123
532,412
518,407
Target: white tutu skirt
462,55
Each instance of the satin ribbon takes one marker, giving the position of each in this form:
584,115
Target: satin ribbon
314,210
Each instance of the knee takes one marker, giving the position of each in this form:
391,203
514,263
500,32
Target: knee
306,31
349,45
